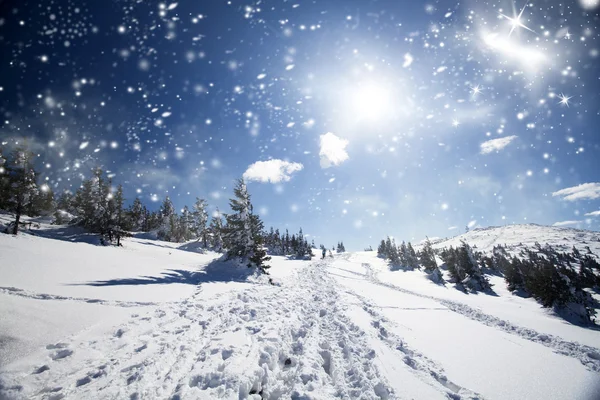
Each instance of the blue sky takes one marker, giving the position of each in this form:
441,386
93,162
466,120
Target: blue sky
377,118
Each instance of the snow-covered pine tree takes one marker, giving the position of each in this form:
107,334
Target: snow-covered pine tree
65,202
393,255
286,243
84,203
243,230
303,251
167,220
118,223
513,272
216,230
449,256
381,249
412,262
186,224
469,270
403,254
427,259
200,216
22,179
135,215
100,194
4,184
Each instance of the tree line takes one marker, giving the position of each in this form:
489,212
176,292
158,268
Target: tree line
553,278
99,207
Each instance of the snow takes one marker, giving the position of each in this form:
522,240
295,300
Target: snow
342,327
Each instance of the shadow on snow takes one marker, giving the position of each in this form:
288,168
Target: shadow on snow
215,271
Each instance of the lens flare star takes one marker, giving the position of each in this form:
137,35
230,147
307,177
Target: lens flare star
564,100
516,21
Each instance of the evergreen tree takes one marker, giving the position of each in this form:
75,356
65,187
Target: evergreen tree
200,216
403,254
412,262
427,258
393,255
43,202
469,271
167,220
84,203
449,256
22,179
187,225
136,215
216,230
4,182
243,232
382,249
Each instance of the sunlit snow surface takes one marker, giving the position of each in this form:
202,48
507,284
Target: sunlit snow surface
151,320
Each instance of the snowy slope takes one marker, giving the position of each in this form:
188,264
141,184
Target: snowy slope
116,323
517,236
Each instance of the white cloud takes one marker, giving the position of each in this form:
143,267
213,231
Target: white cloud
566,223
272,171
581,192
496,144
333,150
593,214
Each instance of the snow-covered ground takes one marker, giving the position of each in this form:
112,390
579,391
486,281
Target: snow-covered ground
150,321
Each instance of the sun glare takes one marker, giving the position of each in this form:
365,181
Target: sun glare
370,101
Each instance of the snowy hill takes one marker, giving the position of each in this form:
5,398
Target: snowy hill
516,237
155,321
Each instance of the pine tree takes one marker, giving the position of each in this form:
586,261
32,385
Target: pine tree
84,203
469,271
393,255
243,232
381,250
200,216
427,259
216,231
22,179
187,224
4,182
403,254
136,215
412,261
43,202
167,220
449,256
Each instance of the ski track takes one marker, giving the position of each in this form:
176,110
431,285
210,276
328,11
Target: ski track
587,355
43,296
265,342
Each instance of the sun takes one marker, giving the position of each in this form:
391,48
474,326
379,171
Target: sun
370,101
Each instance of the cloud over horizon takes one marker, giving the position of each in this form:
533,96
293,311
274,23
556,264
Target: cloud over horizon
566,223
585,191
272,171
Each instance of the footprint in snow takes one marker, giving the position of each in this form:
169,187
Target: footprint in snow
59,345
41,369
60,354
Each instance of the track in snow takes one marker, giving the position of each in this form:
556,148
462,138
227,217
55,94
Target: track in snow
263,342
587,355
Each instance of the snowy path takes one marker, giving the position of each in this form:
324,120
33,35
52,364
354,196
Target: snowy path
330,330
290,341
475,350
